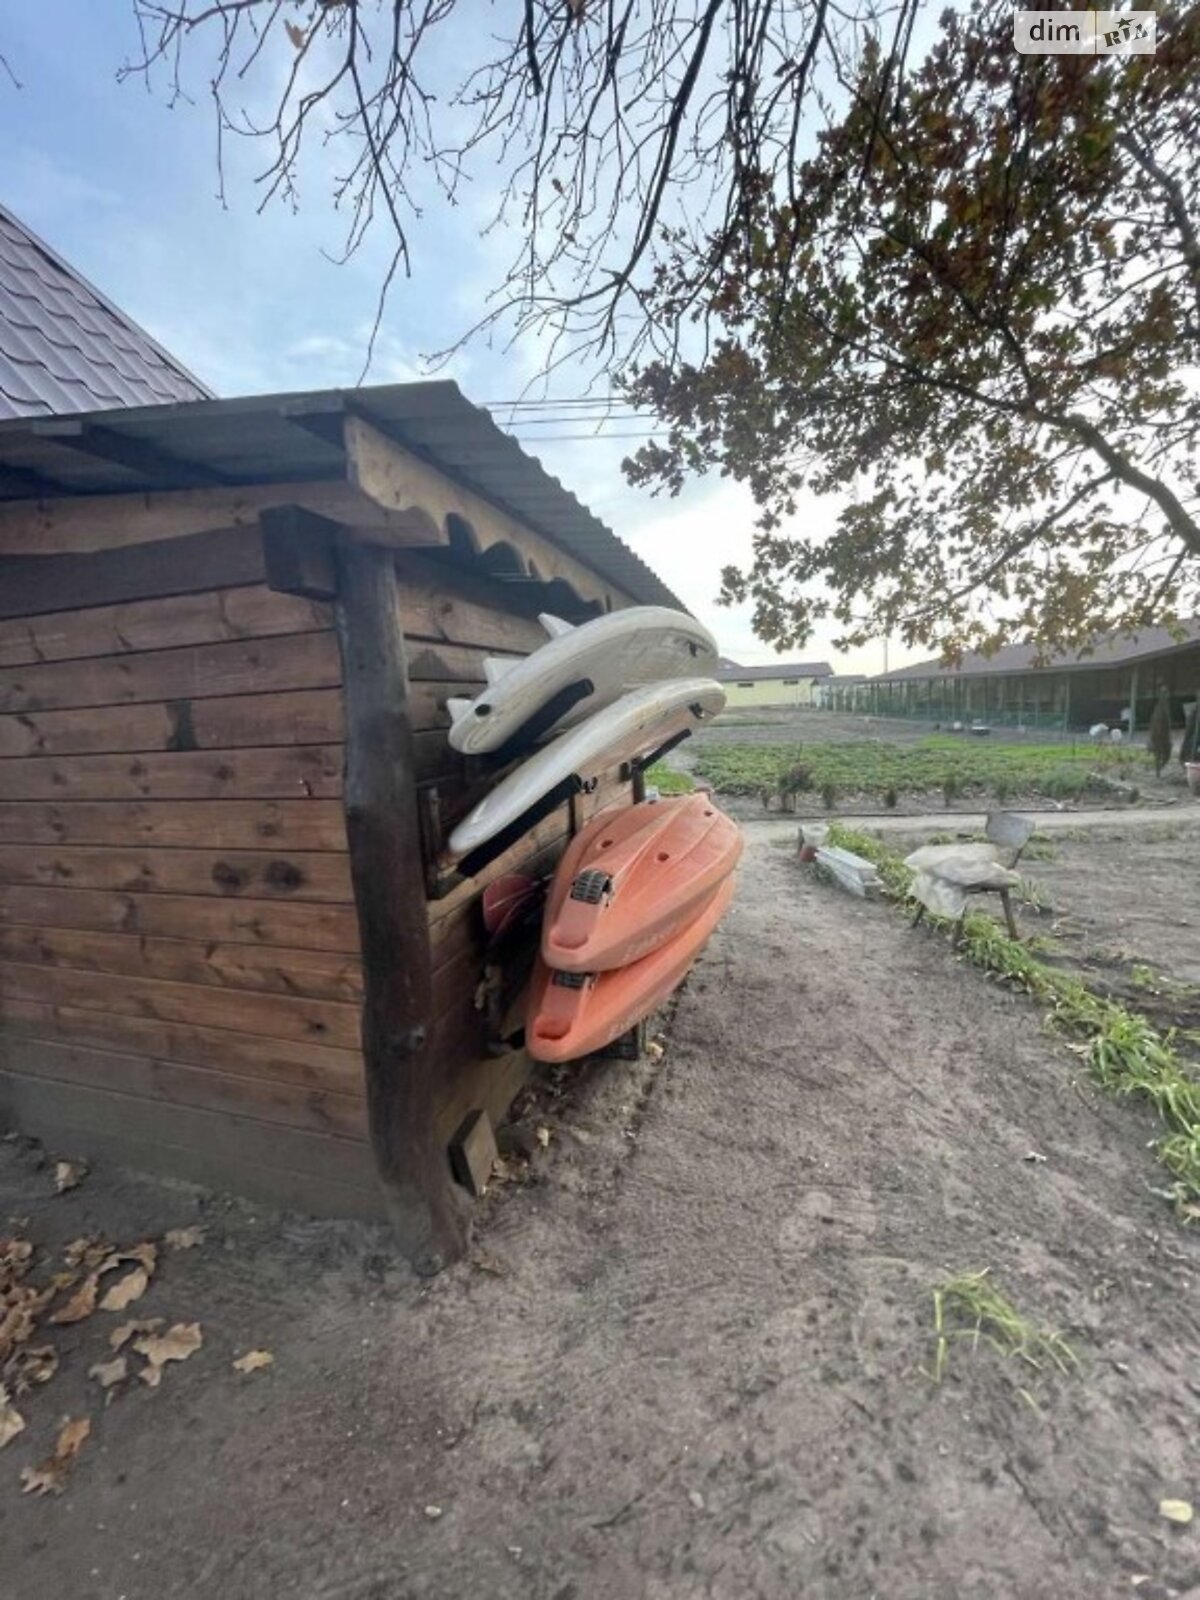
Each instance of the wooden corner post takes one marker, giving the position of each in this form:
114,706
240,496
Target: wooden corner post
428,1211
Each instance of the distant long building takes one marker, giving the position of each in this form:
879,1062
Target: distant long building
1116,681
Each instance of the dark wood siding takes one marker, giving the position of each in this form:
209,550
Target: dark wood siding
179,961
181,982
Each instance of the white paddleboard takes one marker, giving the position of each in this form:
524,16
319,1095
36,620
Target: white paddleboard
636,725
576,673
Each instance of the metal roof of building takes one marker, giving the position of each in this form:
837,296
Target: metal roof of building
1109,650
731,672
64,347
294,437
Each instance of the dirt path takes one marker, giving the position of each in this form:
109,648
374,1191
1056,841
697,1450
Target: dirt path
686,1362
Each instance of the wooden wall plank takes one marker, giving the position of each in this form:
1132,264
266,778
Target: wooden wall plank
150,1079
202,671
77,524
31,585
250,611
438,603
249,1055
312,974
307,717
319,1174
285,825
276,773
252,874
276,1016
212,918
302,716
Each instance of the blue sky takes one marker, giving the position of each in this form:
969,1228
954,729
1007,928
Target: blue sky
126,188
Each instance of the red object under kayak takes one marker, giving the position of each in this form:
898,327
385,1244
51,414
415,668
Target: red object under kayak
573,1014
633,879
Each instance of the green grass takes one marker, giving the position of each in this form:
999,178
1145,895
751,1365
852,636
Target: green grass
1124,1053
970,1306
667,781
940,763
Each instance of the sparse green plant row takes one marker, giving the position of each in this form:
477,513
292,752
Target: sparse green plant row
947,766
1123,1051
666,780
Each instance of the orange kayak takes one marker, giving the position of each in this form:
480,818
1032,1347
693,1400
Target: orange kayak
572,1014
634,878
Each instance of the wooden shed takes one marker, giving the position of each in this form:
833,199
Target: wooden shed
228,630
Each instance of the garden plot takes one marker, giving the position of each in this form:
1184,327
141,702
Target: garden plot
813,764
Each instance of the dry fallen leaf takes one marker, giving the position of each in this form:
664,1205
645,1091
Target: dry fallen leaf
50,1476
81,1304
32,1364
124,1292
69,1175
87,1252
253,1360
17,1321
14,1253
11,1421
106,1373
1176,1511
146,1254
183,1238
177,1344
126,1330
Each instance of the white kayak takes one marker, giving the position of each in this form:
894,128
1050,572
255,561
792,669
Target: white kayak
578,671
639,723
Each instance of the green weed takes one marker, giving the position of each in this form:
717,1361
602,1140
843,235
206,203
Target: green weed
667,781
1124,1052
970,1306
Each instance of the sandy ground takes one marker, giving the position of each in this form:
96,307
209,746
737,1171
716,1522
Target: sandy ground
686,1359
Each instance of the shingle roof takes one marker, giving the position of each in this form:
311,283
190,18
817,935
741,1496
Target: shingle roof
295,437
1109,650
730,672
64,347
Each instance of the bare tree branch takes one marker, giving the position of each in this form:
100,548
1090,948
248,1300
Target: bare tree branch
614,126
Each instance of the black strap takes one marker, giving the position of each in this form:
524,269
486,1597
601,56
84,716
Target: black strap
483,855
643,762
544,717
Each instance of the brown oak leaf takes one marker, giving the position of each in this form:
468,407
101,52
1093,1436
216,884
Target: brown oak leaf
11,1421
126,1290
50,1476
253,1361
106,1373
179,1342
81,1304
126,1330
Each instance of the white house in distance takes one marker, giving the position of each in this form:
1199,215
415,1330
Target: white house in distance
791,683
